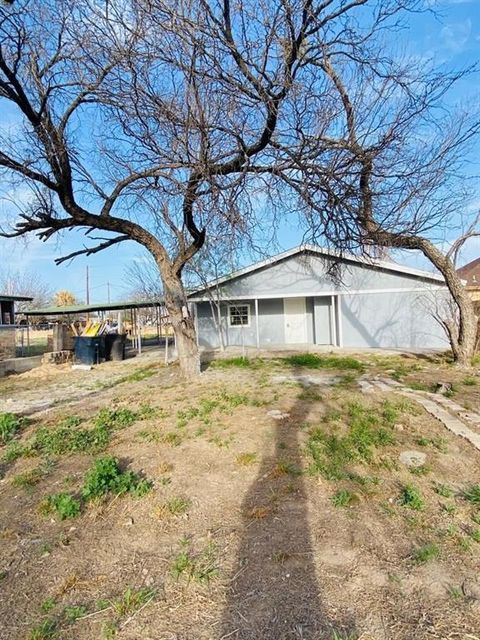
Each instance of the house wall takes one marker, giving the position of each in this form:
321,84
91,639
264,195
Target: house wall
378,308
390,320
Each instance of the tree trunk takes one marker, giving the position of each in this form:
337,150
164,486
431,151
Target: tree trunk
182,322
463,339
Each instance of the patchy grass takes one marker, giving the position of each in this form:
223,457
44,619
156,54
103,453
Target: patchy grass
366,431
315,361
30,478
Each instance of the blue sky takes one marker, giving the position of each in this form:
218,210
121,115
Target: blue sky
452,38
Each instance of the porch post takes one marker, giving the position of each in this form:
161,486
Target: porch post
339,316
257,323
333,322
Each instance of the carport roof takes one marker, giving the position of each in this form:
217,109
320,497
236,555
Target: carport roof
4,297
87,308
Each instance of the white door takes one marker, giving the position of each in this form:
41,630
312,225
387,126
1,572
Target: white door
295,311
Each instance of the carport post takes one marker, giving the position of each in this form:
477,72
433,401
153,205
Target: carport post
257,323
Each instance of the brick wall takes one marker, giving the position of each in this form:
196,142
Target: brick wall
7,343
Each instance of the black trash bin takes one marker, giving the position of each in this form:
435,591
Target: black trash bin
115,346
89,350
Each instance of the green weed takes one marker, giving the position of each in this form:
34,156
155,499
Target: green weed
246,459
10,425
469,381
411,497
106,477
132,600
47,605
73,613
426,553
13,451
63,505
421,470
30,478
227,363
200,567
343,498
45,630
476,517
443,490
315,361
68,438
472,494
475,535
115,418
176,506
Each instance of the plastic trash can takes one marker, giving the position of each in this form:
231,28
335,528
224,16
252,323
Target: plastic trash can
115,346
89,350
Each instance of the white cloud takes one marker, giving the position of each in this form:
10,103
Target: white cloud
455,35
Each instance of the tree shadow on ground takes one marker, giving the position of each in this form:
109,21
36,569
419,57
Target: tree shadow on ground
274,593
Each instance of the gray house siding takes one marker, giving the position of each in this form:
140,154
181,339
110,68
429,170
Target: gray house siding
389,320
309,275
346,303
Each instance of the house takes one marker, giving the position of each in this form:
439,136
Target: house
312,296
7,324
470,273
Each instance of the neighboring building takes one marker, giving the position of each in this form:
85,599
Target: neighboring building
313,296
7,324
471,274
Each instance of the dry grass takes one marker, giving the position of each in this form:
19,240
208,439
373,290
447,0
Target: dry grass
259,537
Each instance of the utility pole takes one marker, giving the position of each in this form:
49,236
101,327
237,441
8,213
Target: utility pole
87,292
108,292
87,288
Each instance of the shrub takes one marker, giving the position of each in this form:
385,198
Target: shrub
106,477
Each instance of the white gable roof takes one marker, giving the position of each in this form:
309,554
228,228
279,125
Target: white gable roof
369,262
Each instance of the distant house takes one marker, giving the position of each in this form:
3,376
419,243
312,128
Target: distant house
471,274
7,324
311,296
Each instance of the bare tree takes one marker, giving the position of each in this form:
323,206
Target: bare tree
160,121
25,283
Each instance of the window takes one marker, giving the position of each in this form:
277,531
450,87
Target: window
239,315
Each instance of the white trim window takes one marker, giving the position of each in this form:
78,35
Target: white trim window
239,315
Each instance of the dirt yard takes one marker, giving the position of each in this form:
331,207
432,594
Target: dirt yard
274,499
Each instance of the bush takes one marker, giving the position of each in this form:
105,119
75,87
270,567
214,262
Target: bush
106,477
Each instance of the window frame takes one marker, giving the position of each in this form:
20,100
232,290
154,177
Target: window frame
236,306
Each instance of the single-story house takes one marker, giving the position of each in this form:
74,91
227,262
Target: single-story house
471,274
314,296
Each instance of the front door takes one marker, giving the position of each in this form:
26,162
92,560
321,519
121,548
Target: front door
295,311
